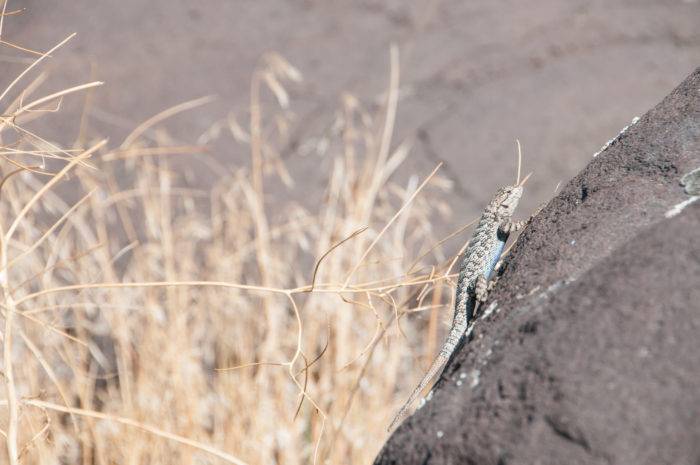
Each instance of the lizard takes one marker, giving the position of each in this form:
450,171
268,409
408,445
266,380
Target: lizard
480,258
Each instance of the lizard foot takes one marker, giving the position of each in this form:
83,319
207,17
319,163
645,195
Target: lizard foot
492,284
510,226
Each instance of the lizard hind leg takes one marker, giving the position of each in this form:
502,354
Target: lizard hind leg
492,283
481,288
481,292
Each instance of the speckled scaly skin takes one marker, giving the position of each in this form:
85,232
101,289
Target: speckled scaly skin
480,258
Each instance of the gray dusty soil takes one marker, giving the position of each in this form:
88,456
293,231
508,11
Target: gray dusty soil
564,77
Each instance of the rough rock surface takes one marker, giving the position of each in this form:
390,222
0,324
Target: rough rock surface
588,350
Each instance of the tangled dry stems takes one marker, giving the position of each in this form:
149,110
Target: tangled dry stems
150,322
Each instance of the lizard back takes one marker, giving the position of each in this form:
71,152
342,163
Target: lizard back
482,254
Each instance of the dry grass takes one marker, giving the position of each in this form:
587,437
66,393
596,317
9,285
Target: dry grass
150,322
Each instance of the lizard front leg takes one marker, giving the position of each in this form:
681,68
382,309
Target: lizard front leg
509,226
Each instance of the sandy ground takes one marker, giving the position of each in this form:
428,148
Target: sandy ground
564,77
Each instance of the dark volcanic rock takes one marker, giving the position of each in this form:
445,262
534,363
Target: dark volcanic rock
588,351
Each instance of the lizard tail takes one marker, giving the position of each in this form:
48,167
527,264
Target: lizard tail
434,368
455,334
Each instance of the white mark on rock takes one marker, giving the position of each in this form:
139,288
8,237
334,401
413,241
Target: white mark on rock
459,383
573,242
469,330
462,375
440,434
691,182
425,400
676,209
489,310
611,141
475,378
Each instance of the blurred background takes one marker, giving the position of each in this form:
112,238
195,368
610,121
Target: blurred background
563,77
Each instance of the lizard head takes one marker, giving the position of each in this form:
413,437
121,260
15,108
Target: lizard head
507,198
